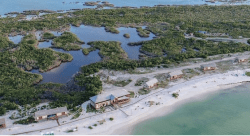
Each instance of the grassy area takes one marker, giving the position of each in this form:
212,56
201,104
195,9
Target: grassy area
77,113
143,91
86,51
163,84
141,81
189,73
112,30
126,35
109,50
119,83
67,41
48,35
132,94
27,121
142,32
247,73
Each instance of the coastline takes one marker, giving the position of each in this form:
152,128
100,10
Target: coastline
126,127
196,89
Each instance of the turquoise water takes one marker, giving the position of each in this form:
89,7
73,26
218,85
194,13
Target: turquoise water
7,6
225,112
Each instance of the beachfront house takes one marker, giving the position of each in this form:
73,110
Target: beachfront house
110,98
175,75
51,113
206,67
2,123
241,59
151,83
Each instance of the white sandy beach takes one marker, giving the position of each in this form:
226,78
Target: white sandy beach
139,111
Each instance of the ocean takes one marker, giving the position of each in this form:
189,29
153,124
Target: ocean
7,6
225,112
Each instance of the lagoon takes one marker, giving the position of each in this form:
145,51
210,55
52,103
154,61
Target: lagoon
65,71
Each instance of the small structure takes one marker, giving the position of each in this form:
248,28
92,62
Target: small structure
241,59
51,113
110,98
202,32
151,83
175,75
2,123
210,66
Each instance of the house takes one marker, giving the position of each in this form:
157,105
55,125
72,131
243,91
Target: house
2,123
191,34
175,74
211,66
241,59
51,113
151,83
110,98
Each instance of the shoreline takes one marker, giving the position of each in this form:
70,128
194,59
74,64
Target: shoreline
138,109
204,86
171,108
126,127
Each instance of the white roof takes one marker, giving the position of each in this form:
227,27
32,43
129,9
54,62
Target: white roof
123,97
109,95
209,65
241,58
50,111
151,82
2,121
175,73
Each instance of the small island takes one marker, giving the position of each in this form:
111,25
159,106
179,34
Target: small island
67,41
126,35
112,30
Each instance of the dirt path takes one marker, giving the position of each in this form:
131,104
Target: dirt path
135,77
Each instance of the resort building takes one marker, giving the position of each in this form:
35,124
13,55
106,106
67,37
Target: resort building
2,123
151,83
110,98
50,114
206,67
175,75
241,59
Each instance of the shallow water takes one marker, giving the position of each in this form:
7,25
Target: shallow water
89,33
16,39
225,112
65,71
7,6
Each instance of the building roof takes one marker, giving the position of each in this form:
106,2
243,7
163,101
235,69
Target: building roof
151,82
241,58
123,98
111,95
50,111
175,73
209,65
2,121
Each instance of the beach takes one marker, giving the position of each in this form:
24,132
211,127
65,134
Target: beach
139,109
